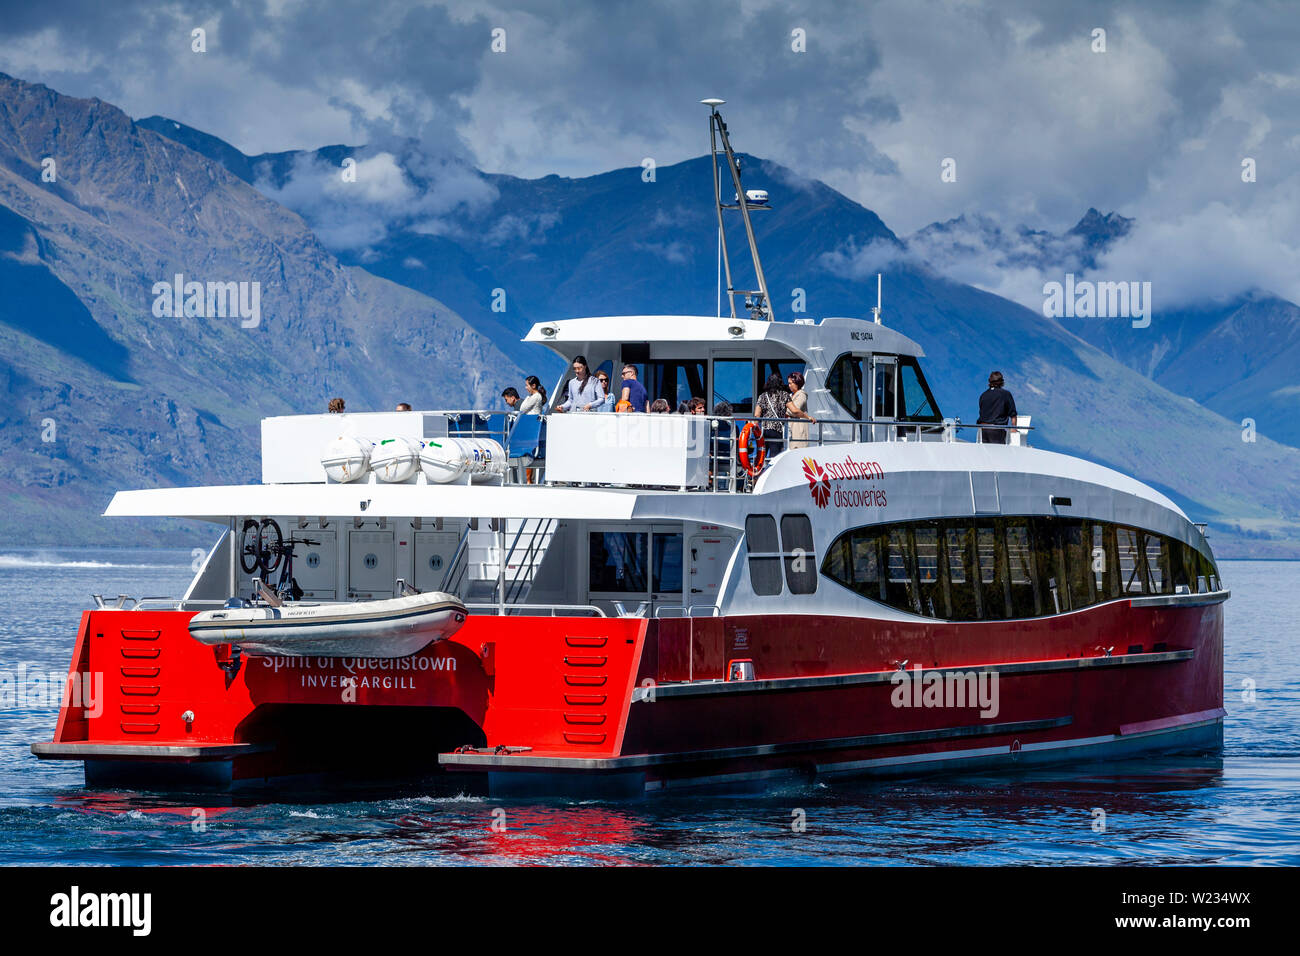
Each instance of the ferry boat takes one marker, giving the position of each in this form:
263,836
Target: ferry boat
654,602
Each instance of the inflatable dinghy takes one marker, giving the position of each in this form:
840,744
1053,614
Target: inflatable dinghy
397,627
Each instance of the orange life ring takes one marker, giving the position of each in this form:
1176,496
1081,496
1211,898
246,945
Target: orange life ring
752,436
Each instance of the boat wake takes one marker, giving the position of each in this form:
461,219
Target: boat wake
17,561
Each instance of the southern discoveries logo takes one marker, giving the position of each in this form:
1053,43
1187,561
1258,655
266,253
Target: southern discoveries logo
820,478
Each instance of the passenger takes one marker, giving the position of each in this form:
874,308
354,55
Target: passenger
633,392
512,398
535,400
683,407
772,402
585,393
997,407
797,408
336,405
660,406
608,404
696,406
403,406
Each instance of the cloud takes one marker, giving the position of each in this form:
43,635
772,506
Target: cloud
1040,126
382,194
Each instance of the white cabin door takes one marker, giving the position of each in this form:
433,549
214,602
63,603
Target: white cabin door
884,395
707,555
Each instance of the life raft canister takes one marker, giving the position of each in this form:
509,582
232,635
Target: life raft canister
753,448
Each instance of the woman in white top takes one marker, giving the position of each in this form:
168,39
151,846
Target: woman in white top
585,393
797,408
535,400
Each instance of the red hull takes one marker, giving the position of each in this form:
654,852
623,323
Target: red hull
629,704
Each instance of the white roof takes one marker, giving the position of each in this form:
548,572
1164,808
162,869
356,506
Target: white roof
220,502
922,479
836,335
961,456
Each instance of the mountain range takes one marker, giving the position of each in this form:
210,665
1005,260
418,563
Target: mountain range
101,393
141,400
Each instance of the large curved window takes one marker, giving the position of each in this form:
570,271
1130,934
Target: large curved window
901,392
915,402
999,568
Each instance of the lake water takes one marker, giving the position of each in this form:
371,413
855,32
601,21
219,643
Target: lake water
1242,807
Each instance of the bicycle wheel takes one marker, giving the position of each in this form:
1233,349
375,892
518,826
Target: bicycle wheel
271,544
250,555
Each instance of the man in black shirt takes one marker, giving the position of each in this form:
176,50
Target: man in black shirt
997,407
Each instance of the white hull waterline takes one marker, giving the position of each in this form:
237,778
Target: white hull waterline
397,627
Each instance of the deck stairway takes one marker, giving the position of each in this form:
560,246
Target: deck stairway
475,570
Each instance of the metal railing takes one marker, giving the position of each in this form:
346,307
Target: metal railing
726,472
547,610
459,564
688,610
525,573
124,602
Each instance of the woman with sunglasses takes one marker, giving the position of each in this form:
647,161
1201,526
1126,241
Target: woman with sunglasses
608,404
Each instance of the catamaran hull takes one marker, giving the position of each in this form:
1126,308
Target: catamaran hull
574,706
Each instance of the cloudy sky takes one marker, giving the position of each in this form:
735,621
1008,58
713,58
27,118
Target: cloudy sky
1041,123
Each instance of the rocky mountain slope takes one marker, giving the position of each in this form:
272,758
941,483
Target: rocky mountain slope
101,393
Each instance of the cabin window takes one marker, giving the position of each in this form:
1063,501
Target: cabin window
676,380
1049,570
902,586
930,560
1105,561
733,383
993,585
917,404
1003,568
781,369
845,384
1132,576
856,561
1076,540
1155,569
666,562
618,562
764,554
1025,599
800,561
963,572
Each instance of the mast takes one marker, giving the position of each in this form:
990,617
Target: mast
757,300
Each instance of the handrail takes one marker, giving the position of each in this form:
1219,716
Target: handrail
550,608
517,585
458,558
723,438
689,610
153,603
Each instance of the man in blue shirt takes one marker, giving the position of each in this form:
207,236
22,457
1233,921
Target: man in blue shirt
633,391
997,407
